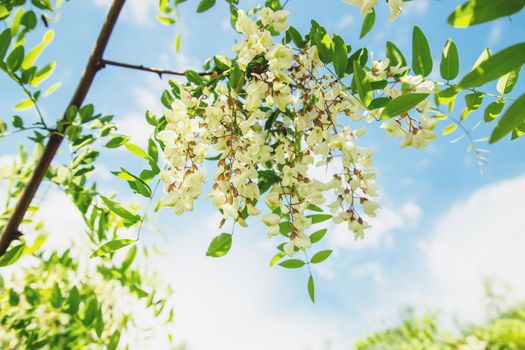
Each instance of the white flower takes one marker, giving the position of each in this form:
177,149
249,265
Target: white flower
366,5
271,219
289,248
395,9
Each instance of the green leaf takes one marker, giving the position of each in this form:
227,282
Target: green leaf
314,207
51,89
421,55
295,36
113,341
112,246
14,298
493,110
117,140
56,296
368,23
12,255
120,211
205,5
449,129
43,4
379,102
73,301
153,150
166,99
33,54
311,288
99,323
5,41
15,58
24,104
285,227
43,74
136,150
474,100
480,11
507,82
178,40
292,264
449,66
135,183
394,55
317,235
220,245
320,256
361,82
90,312
317,218
513,117
340,58
402,104
276,258
503,62
130,256
18,122
166,20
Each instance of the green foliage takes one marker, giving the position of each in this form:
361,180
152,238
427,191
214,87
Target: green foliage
480,11
402,104
496,66
220,245
513,117
53,305
449,66
421,55
505,331
368,23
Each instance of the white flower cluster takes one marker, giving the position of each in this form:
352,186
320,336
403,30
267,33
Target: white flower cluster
268,135
367,6
415,131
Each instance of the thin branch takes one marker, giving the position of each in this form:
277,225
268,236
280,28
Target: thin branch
11,231
159,71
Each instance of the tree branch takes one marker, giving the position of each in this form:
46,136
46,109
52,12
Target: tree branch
159,71
11,231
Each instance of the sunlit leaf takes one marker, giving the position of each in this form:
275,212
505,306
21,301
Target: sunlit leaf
513,117
220,245
292,263
112,246
402,104
421,55
480,11
449,67
320,256
12,255
499,64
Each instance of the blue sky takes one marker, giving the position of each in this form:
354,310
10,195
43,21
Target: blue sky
442,230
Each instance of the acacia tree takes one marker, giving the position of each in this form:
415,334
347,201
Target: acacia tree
283,103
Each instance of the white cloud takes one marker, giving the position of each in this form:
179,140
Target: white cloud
495,34
345,22
388,219
370,269
478,238
237,302
415,8
62,222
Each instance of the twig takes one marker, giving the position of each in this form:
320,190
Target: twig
159,71
11,232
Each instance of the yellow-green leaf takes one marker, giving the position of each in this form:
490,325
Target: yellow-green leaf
24,104
112,246
31,57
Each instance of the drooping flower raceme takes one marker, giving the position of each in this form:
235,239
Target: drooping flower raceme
269,118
